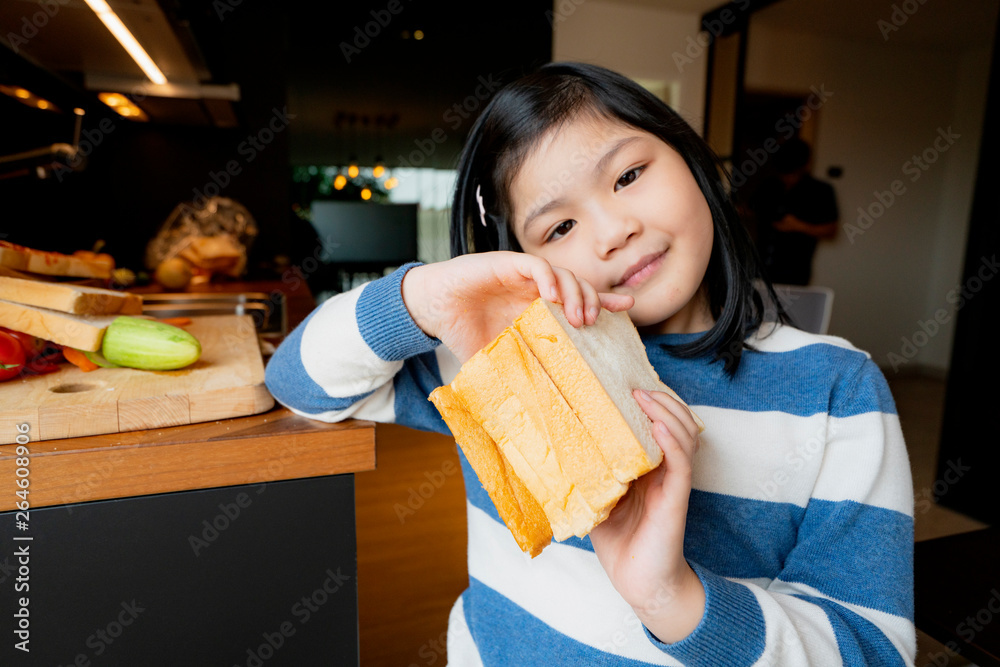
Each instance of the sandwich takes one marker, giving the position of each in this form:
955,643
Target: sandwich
546,417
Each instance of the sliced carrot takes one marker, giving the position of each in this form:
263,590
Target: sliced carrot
77,358
176,321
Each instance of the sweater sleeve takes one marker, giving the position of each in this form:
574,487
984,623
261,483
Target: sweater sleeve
359,354
845,592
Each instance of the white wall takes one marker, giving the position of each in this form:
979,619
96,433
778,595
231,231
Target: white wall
889,103
639,42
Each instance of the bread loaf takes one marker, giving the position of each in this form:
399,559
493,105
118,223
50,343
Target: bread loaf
69,298
547,410
31,260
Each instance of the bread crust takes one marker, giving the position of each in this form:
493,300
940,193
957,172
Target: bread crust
83,332
75,299
517,507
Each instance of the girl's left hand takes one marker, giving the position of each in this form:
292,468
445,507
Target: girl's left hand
641,544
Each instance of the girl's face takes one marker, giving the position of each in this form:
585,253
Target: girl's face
620,209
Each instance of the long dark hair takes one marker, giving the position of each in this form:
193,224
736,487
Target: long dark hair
522,112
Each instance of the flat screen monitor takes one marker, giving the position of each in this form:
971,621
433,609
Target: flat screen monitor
365,233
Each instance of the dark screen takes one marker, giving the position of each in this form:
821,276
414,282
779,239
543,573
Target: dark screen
352,232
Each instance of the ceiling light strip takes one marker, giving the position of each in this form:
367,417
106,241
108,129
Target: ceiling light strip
125,38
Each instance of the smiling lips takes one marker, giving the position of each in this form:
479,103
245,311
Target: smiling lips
642,269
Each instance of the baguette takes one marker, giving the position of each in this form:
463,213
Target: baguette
68,298
547,409
20,258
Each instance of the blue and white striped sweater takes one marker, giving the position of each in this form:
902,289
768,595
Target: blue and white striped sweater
800,521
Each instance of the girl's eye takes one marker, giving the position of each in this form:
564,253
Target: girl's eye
561,229
628,178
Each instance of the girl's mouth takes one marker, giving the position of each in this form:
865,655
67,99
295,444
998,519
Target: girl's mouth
644,268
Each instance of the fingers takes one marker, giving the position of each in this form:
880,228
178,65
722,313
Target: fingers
581,301
616,302
666,411
575,295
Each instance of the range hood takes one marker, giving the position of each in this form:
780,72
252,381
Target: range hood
67,38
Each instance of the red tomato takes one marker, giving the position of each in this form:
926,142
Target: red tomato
12,356
33,346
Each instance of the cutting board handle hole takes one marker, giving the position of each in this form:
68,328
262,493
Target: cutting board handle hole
72,388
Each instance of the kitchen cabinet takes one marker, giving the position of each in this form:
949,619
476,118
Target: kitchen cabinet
221,543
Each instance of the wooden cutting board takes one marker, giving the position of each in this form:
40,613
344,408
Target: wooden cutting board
227,381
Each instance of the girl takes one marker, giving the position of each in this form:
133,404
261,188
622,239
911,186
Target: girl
782,537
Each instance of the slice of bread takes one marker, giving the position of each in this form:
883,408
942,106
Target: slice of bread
503,414
68,298
607,355
549,408
556,430
84,332
515,504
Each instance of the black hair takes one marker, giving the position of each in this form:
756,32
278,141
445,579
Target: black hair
792,156
522,112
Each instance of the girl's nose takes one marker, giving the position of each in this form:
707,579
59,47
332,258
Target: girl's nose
614,230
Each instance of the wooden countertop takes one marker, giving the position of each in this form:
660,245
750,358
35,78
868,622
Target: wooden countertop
271,446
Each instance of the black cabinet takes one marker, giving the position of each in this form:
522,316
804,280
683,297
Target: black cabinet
248,576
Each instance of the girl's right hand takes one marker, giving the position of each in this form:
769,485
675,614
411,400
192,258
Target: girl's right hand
468,301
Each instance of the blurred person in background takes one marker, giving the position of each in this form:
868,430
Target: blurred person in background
793,211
